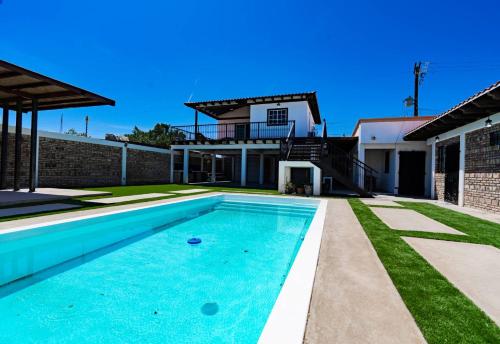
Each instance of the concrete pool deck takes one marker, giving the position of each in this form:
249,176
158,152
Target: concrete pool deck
354,299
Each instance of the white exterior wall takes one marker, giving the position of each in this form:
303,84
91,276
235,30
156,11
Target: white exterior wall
389,136
297,111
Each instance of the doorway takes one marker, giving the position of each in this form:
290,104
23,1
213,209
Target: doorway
451,167
411,173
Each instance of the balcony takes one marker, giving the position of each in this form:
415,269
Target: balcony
234,131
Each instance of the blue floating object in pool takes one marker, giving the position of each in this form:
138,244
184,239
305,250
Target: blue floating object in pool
194,241
210,308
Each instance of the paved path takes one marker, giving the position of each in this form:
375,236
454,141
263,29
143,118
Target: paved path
189,191
33,209
9,197
378,201
410,220
493,217
354,300
472,268
121,199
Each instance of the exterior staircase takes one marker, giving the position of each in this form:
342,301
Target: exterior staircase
343,167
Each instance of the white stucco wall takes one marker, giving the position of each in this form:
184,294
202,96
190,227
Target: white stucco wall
386,132
386,135
297,111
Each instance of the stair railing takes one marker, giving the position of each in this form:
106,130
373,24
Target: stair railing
286,146
351,167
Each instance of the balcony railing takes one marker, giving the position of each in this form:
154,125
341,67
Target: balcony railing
235,131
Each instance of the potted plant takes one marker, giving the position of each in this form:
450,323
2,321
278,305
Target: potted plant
308,190
289,188
300,190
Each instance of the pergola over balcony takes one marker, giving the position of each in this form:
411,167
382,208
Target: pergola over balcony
23,90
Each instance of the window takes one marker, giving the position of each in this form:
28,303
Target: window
277,116
387,161
495,138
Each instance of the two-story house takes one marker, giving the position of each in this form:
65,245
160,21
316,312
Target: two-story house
265,141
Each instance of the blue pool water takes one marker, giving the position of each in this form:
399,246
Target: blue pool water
139,281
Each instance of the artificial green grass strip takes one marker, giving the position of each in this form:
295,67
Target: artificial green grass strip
442,312
485,231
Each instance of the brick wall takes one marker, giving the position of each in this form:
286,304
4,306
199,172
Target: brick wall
147,167
25,162
482,170
439,176
64,162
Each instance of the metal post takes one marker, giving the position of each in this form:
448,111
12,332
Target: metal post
34,143
17,146
195,124
5,145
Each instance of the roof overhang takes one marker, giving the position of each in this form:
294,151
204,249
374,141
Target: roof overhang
217,108
480,105
20,85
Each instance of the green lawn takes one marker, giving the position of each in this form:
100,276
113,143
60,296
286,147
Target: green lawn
117,191
441,311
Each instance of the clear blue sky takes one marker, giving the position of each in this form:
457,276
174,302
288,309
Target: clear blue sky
152,56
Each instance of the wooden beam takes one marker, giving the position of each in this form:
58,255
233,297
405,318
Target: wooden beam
16,92
9,75
27,85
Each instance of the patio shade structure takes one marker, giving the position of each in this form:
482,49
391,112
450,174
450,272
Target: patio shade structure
23,90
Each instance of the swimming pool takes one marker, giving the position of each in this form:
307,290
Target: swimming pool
132,276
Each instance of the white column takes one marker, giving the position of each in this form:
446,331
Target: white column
244,166
214,167
283,176
396,171
124,165
172,162
261,169
186,166
461,171
433,170
361,157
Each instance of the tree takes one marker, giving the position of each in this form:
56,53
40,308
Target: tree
72,131
161,135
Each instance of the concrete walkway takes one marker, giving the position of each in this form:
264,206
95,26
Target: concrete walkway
122,199
410,220
472,268
464,210
33,209
23,196
380,202
354,300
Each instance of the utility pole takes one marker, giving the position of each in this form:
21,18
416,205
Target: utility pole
86,126
416,72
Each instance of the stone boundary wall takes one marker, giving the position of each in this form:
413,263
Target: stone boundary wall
145,167
482,170
69,161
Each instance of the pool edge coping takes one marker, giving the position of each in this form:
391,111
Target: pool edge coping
288,318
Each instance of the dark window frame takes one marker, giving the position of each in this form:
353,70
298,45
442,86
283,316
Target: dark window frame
495,138
269,120
387,162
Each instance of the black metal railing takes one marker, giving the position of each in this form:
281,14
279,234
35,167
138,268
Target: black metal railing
236,131
351,167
